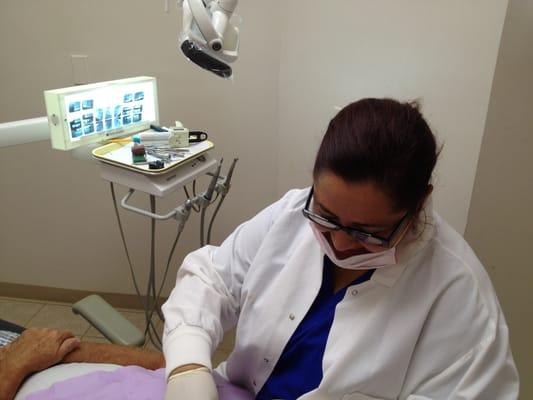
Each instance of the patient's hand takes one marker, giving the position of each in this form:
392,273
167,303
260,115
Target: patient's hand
39,348
34,350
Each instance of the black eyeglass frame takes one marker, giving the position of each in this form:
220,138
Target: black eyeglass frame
358,234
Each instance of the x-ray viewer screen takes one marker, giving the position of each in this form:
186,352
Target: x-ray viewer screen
109,109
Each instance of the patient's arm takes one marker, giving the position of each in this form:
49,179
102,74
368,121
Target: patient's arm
35,350
115,354
39,348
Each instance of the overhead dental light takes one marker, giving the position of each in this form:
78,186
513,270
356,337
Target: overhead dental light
208,37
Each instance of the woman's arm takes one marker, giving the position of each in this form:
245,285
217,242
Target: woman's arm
206,299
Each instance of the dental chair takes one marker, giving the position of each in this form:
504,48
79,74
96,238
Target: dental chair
108,321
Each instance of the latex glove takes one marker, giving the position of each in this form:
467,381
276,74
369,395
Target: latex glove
196,384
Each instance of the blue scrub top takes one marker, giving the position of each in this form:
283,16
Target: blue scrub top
299,368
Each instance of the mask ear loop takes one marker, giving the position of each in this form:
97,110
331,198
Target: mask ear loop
410,225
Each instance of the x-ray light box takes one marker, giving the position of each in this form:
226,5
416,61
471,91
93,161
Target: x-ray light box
85,114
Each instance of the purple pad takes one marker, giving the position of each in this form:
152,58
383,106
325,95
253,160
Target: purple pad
129,383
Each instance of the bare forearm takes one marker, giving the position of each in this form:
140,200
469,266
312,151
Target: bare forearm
115,354
11,376
9,385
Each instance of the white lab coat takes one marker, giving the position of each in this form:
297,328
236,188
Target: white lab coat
429,327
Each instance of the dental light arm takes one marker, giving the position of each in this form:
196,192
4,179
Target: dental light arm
208,38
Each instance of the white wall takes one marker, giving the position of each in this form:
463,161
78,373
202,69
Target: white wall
500,222
296,63
441,52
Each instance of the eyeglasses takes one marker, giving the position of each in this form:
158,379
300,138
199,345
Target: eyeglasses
365,238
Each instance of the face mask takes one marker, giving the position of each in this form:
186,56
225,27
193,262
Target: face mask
357,262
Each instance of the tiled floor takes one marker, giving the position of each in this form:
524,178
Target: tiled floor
29,313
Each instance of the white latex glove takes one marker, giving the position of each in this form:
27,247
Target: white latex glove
196,384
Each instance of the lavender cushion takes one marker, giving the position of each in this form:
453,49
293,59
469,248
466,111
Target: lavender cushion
129,383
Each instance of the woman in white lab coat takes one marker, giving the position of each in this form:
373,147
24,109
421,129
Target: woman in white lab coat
351,289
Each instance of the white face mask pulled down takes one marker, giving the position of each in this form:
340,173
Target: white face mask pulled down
358,262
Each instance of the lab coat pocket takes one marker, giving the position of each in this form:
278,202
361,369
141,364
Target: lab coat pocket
359,396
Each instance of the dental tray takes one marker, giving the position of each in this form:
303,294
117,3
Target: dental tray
119,154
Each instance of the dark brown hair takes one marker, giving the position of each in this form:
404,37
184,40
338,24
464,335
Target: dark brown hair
382,141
